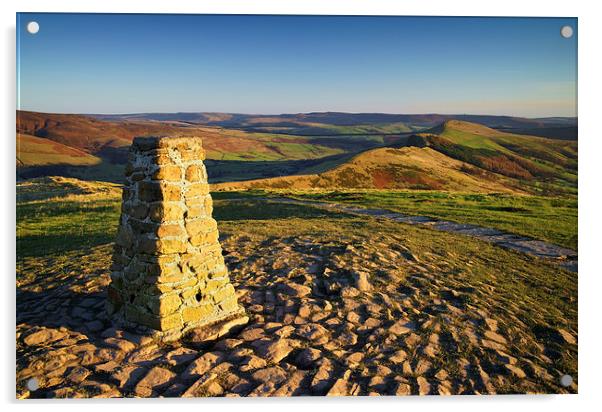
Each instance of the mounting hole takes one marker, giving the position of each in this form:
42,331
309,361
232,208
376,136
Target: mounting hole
33,27
132,297
33,384
566,380
566,32
198,296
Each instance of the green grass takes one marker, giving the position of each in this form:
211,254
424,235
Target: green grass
56,224
62,225
280,151
56,215
359,129
236,170
471,140
325,129
93,220
545,218
251,210
62,219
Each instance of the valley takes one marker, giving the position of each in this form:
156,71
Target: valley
247,147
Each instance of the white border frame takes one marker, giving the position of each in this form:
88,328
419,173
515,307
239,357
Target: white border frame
589,187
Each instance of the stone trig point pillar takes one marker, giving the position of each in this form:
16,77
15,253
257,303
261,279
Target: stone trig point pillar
168,272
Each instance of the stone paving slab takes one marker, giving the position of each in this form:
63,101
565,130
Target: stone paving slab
332,314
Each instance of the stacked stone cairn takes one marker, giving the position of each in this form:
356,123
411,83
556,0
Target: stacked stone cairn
168,274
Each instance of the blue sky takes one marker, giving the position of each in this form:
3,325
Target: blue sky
104,63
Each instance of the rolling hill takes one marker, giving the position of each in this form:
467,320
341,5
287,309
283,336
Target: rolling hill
36,151
110,141
83,132
329,119
354,124
486,158
456,156
530,159
389,168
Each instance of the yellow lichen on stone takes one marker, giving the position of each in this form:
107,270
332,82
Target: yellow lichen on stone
168,267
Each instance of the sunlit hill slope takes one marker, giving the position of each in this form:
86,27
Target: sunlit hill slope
456,155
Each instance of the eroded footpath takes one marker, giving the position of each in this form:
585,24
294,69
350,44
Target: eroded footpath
563,257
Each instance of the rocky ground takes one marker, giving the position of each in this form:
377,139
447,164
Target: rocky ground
354,306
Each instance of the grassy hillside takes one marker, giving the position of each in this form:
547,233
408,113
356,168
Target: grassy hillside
58,214
224,144
83,132
403,168
35,151
238,170
558,132
325,129
110,139
538,164
456,156
462,156
240,154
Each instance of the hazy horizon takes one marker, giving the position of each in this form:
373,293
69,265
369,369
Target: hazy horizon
292,113
128,64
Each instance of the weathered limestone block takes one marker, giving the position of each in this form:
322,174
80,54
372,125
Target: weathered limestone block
168,272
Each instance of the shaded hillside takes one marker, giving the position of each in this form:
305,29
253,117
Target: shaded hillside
235,170
390,168
561,132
